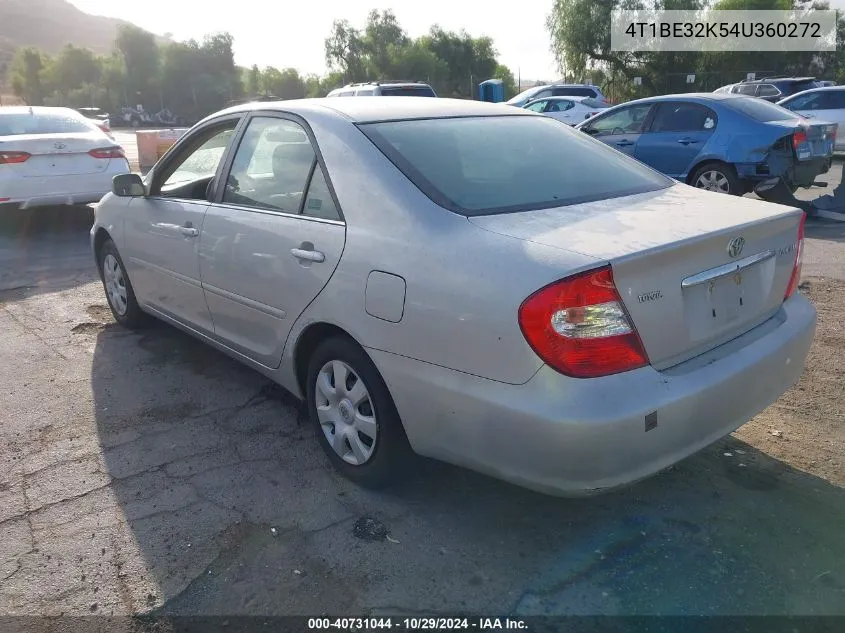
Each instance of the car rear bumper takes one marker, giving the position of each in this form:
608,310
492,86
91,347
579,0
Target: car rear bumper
60,190
573,437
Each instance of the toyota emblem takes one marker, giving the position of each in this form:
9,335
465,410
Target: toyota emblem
735,246
60,145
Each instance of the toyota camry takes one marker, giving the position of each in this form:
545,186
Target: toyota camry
471,282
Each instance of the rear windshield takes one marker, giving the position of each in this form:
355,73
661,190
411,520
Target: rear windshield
759,109
409,91
43,123
497,164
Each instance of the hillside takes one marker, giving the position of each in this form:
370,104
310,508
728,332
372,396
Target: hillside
49,25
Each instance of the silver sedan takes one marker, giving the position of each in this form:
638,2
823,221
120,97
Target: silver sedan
466,281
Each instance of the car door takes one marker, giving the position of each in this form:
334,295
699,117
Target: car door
163,229
561,109
621,129
678,132
272,238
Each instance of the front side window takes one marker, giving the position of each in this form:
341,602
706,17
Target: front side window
628,120
497,164
408,91
271,167
537,106
574,92
198,160
747,89
683,117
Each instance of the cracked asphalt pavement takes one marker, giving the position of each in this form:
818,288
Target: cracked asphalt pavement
147,473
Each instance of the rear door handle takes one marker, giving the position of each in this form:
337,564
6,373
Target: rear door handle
687,141
308,256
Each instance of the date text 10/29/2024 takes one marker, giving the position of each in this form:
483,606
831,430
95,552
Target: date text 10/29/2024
416,624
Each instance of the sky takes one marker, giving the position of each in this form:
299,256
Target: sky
277,34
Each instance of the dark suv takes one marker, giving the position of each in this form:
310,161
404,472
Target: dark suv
774,88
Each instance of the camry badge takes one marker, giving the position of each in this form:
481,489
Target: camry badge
735,246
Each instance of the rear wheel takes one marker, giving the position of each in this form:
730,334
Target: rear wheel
119,293
354,416
718,177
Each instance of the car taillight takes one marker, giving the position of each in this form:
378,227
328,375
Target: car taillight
798,138
13,158
108,152
579,327
795,279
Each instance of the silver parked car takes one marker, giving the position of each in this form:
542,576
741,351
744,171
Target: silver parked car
471,282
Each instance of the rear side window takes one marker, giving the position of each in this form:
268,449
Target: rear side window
683,117
767,90
408,91
834,100
44,123
593,103
497,164
368,92
791,87
759,110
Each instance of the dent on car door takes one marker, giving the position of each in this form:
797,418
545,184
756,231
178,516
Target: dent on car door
272,240
621,128
676,136
163,229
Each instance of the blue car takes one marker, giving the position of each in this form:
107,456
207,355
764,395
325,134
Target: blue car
719,142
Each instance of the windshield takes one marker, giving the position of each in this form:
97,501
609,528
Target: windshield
408,91
482,165
18,124
759,110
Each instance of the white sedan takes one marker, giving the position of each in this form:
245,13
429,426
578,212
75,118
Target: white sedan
55,156
821,104
570,110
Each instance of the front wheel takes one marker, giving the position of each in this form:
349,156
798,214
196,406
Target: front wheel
354,416
119,292
717,177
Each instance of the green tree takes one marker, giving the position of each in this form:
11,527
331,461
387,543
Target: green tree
73,69
345,51
26,74
504,73
253,81
285,84
140,55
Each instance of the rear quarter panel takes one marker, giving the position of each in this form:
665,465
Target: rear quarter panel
464,285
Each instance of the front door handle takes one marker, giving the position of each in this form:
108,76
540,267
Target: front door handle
189,231
687,141
308,256
624,143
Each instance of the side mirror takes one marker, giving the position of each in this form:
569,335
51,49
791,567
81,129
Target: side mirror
128,186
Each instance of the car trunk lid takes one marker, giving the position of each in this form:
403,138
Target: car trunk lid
694,269
808,140
56,154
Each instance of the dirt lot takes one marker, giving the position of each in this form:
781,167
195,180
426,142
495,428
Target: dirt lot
144,472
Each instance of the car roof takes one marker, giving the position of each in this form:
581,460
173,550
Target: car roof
769,80
385,108
564,97
693,96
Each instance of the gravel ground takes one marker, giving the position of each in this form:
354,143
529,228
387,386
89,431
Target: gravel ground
144,472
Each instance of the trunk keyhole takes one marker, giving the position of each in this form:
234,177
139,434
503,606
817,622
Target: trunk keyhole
714,313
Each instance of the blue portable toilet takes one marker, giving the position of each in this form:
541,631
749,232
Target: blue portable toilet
492,90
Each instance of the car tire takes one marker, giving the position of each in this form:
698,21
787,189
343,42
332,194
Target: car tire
357,424
119,293
718,177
